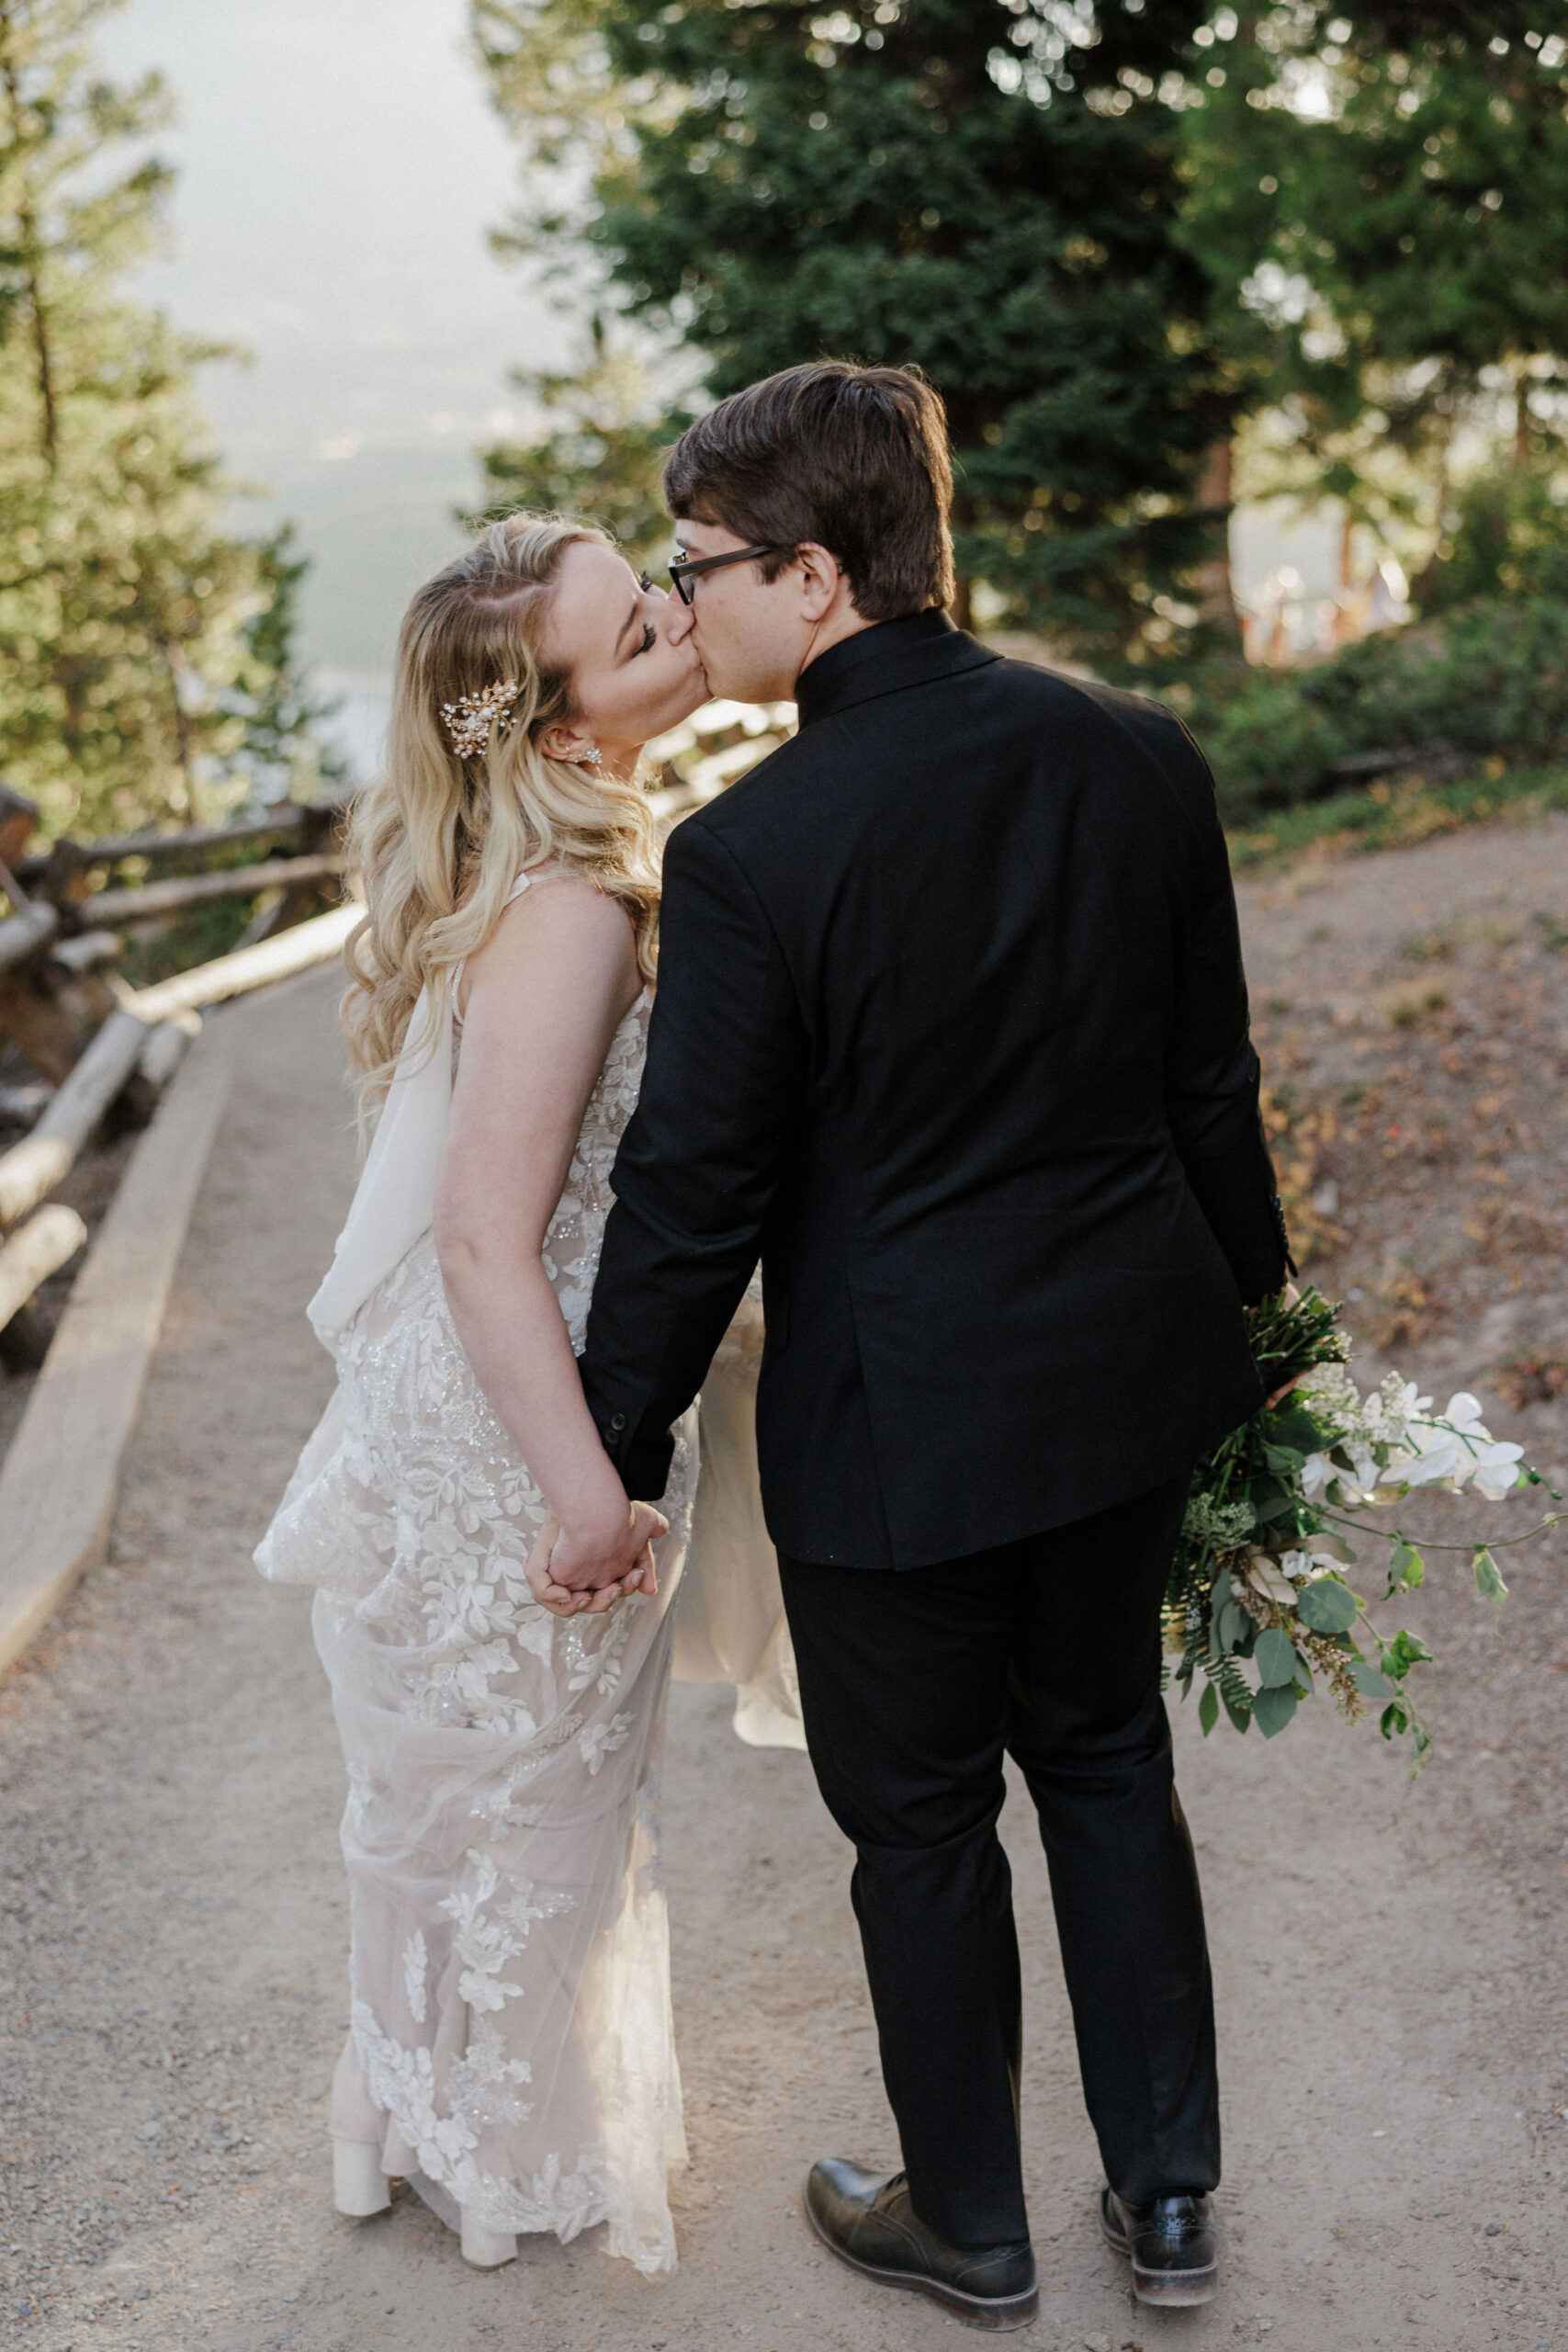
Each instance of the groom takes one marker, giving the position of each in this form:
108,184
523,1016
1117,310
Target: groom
951,1032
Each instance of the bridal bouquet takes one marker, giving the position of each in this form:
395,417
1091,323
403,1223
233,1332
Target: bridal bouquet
1261,1602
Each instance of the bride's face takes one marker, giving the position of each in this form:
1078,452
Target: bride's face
611,629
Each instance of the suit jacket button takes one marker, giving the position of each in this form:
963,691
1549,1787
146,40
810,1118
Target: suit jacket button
617,1422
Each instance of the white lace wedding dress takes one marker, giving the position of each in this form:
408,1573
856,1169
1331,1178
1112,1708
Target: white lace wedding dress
512,2051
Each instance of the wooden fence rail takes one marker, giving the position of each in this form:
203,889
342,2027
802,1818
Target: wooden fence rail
143,901
57,942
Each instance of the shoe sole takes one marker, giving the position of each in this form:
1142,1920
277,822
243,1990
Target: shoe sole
1171,2288
999,2313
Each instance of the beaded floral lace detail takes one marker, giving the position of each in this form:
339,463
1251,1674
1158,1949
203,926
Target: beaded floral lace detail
510,1962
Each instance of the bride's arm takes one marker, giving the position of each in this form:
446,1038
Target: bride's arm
544,997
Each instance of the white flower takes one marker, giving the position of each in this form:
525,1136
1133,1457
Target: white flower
602,1739
1317,1475
1265,1577
1457,1451
1495,1471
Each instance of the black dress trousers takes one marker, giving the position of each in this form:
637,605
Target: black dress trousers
913,1684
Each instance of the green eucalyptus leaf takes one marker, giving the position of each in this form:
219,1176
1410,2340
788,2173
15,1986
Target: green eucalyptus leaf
1327,1606
1276,1657
1231,1626
1489,1577
1407,1568
1370,1682
1405,1651
1283,1458
1209,1709
1240,1716
1274,1707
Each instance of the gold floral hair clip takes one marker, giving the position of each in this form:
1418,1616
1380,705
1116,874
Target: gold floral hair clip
470,719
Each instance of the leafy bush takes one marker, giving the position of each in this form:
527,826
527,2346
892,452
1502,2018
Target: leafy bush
1488,679
1510,538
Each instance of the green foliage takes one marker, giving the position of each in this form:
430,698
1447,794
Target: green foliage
602,454
1273,1707
1276,1658
198,936
1327,1607
280,755
1414,812
1255,1576
1397,240
987,189
1486,680
129,685
1509,539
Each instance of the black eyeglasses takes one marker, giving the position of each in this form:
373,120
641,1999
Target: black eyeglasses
687,568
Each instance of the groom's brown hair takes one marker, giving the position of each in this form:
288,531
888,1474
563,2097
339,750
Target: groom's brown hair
852,457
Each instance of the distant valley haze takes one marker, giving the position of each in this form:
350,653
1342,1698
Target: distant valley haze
339,168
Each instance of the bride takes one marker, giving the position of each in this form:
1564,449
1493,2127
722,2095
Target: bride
512,2051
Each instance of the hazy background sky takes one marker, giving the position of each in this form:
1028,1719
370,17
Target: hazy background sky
339,168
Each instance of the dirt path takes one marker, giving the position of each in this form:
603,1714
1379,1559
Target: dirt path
1393,2000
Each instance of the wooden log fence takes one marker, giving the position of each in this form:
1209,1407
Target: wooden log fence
247,967
64,932
143,901
59,942
24,934
47,1242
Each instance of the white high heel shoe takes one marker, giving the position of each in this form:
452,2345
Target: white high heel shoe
359,2186
486,2249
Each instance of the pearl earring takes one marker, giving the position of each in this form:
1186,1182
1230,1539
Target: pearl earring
592,757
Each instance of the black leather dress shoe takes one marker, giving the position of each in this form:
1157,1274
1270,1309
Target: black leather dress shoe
866,2218
1170,2243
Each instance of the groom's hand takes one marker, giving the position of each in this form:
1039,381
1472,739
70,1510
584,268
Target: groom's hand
571,1570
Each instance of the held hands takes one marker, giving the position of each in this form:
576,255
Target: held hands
573,1573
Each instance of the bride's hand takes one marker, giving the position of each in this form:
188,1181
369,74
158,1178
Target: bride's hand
566,1600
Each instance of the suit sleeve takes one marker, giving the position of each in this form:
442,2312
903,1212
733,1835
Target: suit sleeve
701,1159
1213,1075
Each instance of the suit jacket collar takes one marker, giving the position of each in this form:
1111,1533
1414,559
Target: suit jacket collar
883,661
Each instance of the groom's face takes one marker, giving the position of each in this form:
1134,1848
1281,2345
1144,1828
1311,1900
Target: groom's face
752,635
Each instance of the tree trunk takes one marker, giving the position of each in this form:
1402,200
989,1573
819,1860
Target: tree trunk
1524,424
29,255
1212,582
1344,620
184,748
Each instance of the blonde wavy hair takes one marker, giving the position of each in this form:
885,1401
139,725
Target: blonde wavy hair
440,839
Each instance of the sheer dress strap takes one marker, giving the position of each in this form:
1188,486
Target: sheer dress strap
523,882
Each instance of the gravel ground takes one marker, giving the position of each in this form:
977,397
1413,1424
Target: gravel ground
1393,2004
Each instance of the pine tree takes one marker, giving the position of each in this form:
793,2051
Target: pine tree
281,755
601,454
124,606
1380,194
988,188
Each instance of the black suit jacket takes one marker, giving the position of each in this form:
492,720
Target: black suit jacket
951,1032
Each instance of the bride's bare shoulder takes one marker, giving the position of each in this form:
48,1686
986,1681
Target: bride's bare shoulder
562,926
